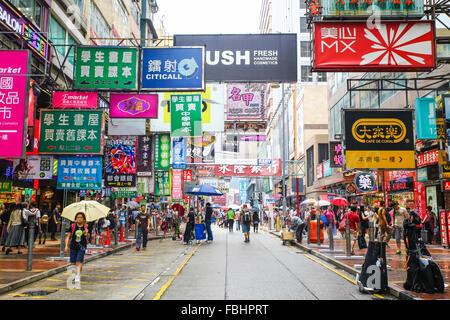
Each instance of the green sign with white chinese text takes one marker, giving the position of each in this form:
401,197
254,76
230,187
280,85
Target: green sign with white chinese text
162,183
71,132
106,68
162,152
186,115
5,186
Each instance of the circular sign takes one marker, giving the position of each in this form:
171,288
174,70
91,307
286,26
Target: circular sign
365,182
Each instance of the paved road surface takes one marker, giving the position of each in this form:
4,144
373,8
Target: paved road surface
226,269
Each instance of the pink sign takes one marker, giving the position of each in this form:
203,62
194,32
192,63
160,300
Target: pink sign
133,106
71,99
13,102
177,184
246,101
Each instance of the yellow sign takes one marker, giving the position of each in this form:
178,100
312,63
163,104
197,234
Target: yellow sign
382,130
380,159
206,97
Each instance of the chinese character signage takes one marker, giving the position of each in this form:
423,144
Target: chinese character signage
186,115
106,68
13,102
133,106
123,193
336,158
175,68
162,152
365,182
71,132
425,118
144,156
245,170
201,149
79,173
179,160
327,171
357,9
5,186
379,139
177,184
187,175
74,100
120,162
162,183
242,191
34,167
427,158
352,46
246,102
319,171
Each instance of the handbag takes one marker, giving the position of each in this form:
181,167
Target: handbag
343,224
362,242
23,221
324,220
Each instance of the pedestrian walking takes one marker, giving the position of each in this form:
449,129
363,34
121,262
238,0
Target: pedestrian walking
230,214
33,216
43,223
176,226
54,221
385,229
246,221
400,214
190,223
4,218
78,243
430,225
237,218
355,227
143,225
122,217
15,229
169,218
255,221
331,220
208,217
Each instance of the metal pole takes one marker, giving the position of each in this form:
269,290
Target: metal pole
371,231
347,237
331,227
298,199
283,157
309,230
62,245
30,246
115,230
143,24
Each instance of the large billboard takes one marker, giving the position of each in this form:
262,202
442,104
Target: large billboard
246,101
246,57
379,139
354,46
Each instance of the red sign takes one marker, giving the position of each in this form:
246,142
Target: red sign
420,198
427,158
187,175
448,227
444,233
319,171
247,170
353,46
222,200
70,99
447,185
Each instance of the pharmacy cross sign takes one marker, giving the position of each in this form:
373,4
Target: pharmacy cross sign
71,132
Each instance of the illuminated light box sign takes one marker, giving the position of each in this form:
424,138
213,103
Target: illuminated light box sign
391,8
133,106
74,100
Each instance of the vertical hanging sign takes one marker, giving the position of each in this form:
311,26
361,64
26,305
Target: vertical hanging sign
179,153
144,156
426,118
186,115
162,152
177,184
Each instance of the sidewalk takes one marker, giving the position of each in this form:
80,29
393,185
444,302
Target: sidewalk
13,272
397,273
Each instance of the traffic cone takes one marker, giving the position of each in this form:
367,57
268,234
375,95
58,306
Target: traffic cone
122,238
108,240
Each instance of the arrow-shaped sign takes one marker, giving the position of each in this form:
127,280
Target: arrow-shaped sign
51,147
87,148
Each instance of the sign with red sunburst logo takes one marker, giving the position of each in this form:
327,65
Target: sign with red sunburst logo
359,46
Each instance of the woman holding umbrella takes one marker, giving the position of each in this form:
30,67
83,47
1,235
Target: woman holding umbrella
78,242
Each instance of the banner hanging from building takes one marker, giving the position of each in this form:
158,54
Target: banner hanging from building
133,106
352,46
177,184
34,167
74,100
246,101
246,57
71,132
425,118
356,10
186,115
175,68
144,156
336,158
244,170
79,173
179,160
105,67
14,66
120,162
162,183
379,139
162,152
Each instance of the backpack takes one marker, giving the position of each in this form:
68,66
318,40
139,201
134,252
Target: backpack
44,218
246,217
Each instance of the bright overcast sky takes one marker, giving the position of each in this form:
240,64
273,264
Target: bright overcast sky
209,16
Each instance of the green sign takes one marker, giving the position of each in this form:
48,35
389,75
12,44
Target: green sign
186,115
71,132
105,68
5,186
123,194
162,152
162,183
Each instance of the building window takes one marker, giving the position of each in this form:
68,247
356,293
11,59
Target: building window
321,76
323,152
306,75
303,25
80,4
61,38
135,12
305,49
121,11
32,9
99,24
310,166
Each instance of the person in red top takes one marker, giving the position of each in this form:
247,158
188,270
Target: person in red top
355,227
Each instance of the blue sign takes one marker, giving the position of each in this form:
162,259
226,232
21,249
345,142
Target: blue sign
175,68
422,174
242,191
426,118
80,173
179,151
264,162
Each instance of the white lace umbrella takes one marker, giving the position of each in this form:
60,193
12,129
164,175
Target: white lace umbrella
92,209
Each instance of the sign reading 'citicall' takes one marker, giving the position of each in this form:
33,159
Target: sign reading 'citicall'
380,139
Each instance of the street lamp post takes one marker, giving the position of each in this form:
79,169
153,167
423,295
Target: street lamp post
283,156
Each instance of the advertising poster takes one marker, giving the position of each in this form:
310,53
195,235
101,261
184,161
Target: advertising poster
179,160
79,173
432,198
105,67
71,132
74,100
133,106
175,68
242,191
379,139
162,152
144,156
177,184
187,175
186,115
246,101
201,149
13,102
246,57
352,46
34,167
120,163
425,118
162,183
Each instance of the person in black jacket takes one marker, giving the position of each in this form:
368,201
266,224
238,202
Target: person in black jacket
255,221
208,217
190,223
